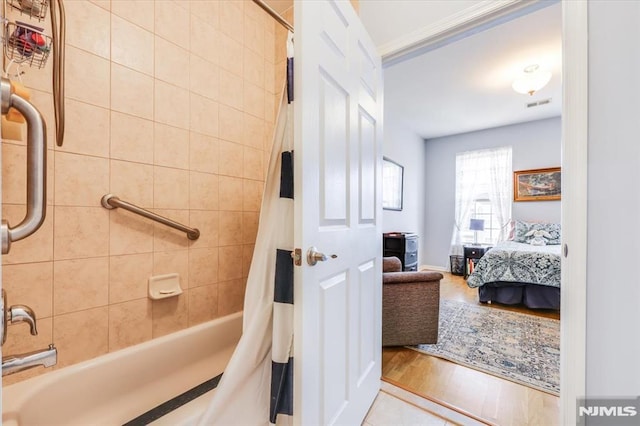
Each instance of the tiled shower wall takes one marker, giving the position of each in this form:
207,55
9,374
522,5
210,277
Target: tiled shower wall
170,105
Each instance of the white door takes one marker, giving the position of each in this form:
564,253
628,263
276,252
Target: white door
338,155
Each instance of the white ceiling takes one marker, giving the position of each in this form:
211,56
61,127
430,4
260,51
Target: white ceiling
466,85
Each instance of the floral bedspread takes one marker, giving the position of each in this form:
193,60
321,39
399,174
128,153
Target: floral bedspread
512,262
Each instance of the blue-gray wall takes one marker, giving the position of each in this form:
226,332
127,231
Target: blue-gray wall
406,148
534,145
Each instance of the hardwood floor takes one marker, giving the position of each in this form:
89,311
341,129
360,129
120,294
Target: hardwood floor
492,399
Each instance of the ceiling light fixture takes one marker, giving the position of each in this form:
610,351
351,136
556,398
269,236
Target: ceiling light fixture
533,80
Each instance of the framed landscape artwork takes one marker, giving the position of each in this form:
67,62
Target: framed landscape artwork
537,184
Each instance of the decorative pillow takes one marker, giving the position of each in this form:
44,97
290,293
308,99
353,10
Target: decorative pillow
522,228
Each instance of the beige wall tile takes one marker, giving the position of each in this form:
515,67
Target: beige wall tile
231,86
203,153
131,92
231,124
171,105
30,284
254,131
172,22
80,180
204,77
172,262
170,315
231,157
166,238
140,12
232,19
204,39
230,59
254,35
203,188
105,4
80,284
230,193
14,173
169,188
252,195
230,228
171,146
86,77
86,129
247,256
253,68
253,11
207,222
253,167
230,297
128,277
204,115
270,84
171,63
80,232
203,266
207,11
130,323
131,137
180,97
254,100
129,233
132,182
203,304
131,46
229,263
249,227
87,27
269,45
270,111
81,335
38,247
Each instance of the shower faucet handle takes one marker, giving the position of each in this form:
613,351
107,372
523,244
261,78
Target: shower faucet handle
14,315
23,313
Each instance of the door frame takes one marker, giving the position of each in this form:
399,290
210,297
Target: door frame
574,160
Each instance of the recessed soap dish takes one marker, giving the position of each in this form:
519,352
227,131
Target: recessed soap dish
163,286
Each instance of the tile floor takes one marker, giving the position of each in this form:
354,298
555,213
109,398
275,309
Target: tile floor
395,406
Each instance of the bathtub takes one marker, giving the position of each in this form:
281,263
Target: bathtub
116,388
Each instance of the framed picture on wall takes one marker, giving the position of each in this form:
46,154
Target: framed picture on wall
537,184
392,182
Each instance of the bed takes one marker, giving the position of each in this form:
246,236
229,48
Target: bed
517,272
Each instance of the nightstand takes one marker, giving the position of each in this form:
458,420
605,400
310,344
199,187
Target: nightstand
472,253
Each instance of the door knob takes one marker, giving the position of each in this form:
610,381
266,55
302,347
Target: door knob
314,256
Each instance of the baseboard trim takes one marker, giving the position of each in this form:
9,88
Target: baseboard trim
433,268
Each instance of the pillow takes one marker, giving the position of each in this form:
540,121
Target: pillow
523,227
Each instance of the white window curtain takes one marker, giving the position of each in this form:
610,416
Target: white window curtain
479,173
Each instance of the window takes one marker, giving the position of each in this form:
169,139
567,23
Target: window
483,191
482,209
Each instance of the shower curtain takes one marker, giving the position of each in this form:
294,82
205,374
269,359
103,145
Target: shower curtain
256,387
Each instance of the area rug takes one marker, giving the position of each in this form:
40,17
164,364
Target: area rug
518,347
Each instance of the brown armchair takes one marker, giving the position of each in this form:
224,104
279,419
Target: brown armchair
410,305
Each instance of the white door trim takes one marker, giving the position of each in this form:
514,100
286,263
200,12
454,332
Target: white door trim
484,14
574,161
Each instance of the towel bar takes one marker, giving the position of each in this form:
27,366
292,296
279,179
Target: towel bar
110,201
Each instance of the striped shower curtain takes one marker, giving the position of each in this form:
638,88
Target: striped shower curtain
256,387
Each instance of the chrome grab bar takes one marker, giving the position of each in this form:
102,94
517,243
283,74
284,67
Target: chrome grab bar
36,167
110,201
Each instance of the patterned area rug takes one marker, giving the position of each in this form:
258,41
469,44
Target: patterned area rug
518,347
